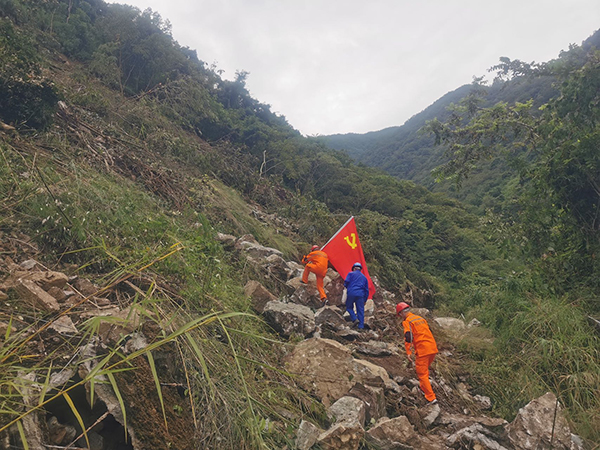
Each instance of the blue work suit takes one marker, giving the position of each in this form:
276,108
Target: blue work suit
357,293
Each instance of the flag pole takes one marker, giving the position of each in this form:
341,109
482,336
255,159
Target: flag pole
338,231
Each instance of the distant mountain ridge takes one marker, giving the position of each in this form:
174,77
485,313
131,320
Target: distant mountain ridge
409,154
404,152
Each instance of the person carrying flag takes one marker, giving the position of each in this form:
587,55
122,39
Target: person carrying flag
357,289
418,336
316,262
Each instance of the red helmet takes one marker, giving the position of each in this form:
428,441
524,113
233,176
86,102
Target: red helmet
401,307
314,247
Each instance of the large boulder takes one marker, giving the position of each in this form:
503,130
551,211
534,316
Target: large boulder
327,369
334,288
540,425
376,348
457,421
392,434
276,267
289,318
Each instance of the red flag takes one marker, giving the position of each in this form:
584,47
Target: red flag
344,249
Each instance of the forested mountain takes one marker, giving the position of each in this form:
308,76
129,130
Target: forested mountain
123,156
408,153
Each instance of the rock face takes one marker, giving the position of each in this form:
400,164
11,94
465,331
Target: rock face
540,425
289,318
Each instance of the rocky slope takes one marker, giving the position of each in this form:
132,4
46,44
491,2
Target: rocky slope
362,377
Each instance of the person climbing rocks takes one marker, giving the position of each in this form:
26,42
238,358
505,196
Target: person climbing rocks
417,336
357,292
316,262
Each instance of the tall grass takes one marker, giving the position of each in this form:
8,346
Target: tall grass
543,343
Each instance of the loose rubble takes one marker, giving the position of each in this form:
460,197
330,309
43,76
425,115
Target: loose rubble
361,376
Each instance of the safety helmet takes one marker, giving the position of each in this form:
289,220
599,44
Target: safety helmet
401,307
357,264
314,247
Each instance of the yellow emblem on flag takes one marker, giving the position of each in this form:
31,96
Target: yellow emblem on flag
351,242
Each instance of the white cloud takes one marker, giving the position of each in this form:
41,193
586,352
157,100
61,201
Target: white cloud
342,66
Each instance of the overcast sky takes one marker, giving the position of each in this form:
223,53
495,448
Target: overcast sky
340,66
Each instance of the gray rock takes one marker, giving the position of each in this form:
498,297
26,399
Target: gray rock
256,250
373,398
289,318
227,240
259,295
33,294
474,436
342,436
374,348
307,435
85,286
64,325
329,316
474,323
327,369
349,409
433,411
276,267
136,342
452,326
483,401
540,424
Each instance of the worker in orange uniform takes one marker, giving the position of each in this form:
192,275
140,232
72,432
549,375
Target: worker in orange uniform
316,262
418,336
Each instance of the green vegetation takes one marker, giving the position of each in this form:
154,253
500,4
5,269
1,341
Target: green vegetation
551,219
152,153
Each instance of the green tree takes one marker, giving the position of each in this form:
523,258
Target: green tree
554,150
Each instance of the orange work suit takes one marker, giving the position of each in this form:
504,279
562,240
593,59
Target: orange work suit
418,335
316,262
